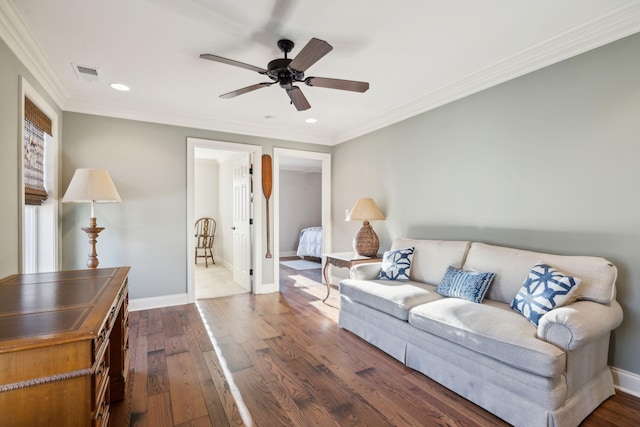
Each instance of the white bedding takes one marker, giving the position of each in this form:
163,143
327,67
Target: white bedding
310,242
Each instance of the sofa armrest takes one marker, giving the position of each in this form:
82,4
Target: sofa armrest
368,271
577,324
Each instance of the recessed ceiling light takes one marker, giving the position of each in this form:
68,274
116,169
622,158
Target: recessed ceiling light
120,87
269,117
311,120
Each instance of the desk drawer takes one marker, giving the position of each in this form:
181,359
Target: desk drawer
101,342
101,415
100,379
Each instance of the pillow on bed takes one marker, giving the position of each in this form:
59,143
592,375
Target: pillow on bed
396,265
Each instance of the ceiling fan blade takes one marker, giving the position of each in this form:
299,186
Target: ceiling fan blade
337,84
310,54
298,99
244,90
249,67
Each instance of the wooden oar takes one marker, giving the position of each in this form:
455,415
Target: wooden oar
266,190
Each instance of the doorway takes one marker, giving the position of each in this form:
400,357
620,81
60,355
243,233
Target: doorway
219,184
303,159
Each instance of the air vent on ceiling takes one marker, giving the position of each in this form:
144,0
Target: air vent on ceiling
89,74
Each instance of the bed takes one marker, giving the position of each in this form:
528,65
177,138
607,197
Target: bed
310,243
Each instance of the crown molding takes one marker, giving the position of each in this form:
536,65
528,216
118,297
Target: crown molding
176,118
621,22
16,35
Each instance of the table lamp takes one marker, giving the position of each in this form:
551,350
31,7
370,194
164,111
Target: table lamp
366,242
91,186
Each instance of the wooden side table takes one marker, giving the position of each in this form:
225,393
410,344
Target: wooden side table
343,260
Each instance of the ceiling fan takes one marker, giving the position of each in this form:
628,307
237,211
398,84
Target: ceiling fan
286,72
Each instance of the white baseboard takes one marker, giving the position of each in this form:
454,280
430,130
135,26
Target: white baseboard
158,302
288,253
625,381
267,288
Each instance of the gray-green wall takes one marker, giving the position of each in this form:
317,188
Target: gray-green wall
10,71
549,161
148,164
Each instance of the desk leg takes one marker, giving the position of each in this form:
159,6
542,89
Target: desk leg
325,274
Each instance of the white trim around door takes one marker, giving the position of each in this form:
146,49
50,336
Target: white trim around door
256,245
325,158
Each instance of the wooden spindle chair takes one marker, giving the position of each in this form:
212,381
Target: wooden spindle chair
205,236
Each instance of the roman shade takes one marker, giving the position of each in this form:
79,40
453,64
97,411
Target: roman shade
36,124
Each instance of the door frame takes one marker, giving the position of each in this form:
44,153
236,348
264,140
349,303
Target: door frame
327,242
256,232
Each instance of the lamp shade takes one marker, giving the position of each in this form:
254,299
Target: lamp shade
91,186
365,210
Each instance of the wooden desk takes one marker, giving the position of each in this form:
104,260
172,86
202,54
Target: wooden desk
63,347
345,260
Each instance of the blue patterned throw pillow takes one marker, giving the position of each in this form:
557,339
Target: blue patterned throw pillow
396,265
469,285
545,289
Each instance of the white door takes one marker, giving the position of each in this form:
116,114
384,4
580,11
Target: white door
242,222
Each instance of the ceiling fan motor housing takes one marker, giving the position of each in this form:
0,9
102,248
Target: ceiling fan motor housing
278,70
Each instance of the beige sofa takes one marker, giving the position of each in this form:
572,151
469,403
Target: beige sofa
552,375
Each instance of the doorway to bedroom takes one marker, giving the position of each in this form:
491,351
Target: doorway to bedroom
301,211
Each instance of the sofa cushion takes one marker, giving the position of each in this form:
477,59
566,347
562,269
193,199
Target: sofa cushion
512,267
493,329
392,298
396,265
432,257
469,285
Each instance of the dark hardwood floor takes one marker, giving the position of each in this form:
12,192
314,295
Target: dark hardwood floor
281,360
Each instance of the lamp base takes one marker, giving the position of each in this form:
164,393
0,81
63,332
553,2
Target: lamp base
92,231
366,242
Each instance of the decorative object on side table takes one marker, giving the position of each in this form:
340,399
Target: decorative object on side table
91,186
366,242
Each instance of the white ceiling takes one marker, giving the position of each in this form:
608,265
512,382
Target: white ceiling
416,54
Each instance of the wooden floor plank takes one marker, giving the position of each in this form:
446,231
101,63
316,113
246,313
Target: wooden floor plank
236,358
213,401
175,344
158,413
264,407
171,323
157,377
155,321
139,372
155,341
224,389
187,402
200,422
196,329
